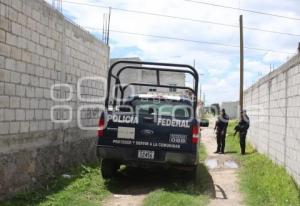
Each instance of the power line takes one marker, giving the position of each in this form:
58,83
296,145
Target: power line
190,40
183,18
246,10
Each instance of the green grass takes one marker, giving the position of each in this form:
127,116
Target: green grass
87,188
84,188
181,191
261,181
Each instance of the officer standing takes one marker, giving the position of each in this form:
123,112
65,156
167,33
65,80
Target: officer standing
221,129
242,128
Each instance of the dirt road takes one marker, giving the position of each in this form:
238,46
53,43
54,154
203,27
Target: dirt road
223,170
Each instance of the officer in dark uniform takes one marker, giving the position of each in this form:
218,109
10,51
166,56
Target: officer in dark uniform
242,128
221,129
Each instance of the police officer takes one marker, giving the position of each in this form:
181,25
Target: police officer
221,129
242,128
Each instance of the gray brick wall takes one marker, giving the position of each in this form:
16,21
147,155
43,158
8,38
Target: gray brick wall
273,105
39,48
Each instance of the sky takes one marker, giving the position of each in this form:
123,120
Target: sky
218,65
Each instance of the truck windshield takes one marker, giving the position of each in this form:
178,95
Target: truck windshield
172,108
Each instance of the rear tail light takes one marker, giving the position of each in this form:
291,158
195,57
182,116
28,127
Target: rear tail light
101,127
195,132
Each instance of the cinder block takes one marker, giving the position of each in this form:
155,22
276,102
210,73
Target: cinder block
31,46
9,115
14,102
22,42
15,77
25,79
35,59
2,36
12,14
14,127
49,125
5,24
30,92
26,56
4,101
17,4
4,75
1,114
29,114
22,19
35,38
38,114
1,88
16,28
43,40
42,125
4,127
43,82
39,92
34,103
24,127
9,89
16,53
36,15
5,49
2,62
46,114
20,114
33,126
21,67
25,102
10,64
43,62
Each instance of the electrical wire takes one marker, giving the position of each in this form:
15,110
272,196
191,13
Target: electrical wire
184,18
191,40
246,10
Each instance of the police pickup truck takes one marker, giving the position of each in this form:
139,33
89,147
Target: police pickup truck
150,129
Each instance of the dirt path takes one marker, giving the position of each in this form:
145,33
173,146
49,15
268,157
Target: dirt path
223,170
129,189
124,200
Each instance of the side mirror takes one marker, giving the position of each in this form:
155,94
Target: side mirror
204,123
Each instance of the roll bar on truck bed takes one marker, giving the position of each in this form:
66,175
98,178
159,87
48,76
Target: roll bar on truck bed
150,66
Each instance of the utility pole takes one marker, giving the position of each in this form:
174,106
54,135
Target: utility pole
200,92
194,65
241,64
108,26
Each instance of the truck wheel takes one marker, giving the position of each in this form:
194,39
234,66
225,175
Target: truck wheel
192,174
109,168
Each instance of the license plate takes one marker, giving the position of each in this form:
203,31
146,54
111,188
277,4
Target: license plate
178,138
126,132
146,154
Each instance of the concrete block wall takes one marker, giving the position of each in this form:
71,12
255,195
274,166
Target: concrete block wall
231,108
39,48
273,105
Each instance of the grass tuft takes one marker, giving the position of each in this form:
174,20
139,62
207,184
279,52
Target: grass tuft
85,188
180,190
262,182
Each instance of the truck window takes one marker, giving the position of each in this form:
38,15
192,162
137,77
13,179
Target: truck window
162,108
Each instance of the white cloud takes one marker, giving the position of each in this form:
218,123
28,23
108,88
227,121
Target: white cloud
219,64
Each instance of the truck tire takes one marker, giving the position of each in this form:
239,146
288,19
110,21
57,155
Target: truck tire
192,174
109,168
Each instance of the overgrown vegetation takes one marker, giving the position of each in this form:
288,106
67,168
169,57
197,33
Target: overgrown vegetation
181,190
83,187
262,182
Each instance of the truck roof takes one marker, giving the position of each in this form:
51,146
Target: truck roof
176,97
